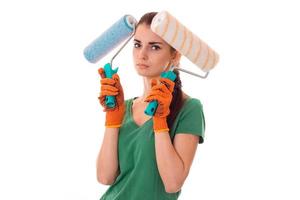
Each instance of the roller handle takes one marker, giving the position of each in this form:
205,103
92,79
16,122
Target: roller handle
152,106
110,101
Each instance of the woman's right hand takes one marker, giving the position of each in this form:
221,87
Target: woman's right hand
112,87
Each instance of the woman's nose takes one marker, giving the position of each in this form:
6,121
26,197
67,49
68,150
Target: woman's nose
142,54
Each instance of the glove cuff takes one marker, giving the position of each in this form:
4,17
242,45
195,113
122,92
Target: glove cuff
160,124
114,118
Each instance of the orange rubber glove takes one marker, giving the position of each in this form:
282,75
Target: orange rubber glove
162,92
112,87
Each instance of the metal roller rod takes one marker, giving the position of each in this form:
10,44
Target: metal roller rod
123,46
192,73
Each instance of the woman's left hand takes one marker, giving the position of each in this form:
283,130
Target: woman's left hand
162,92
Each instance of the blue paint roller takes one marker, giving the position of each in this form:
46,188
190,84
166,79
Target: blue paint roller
106,42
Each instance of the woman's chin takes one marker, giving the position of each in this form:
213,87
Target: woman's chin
144,73
147,73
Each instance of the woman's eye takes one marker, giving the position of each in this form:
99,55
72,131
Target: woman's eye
155,47
136,45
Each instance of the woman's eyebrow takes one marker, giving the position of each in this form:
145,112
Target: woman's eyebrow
138,41
155,43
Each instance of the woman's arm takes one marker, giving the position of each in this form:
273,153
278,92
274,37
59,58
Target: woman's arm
174,162
107,160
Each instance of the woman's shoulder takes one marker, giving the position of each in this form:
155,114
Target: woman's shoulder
191,101
191,106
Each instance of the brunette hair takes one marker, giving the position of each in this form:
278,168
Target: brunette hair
177,99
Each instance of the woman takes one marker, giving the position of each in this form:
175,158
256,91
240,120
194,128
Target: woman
145,157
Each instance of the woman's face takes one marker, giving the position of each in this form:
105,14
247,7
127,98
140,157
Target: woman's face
151,54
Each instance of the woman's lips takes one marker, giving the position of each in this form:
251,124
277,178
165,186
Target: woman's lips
142,66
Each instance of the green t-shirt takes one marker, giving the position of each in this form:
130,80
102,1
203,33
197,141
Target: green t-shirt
139,177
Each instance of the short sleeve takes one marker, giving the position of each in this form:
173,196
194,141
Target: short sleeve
192,120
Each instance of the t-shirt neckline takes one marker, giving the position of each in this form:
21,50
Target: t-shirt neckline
131,115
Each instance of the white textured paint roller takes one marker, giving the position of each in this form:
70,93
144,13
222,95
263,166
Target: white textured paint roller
184,41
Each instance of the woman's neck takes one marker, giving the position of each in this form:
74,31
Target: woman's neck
146,92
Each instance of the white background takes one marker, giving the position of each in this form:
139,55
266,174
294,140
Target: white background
51,122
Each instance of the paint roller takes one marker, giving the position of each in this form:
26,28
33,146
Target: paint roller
106,42
185,42
167,27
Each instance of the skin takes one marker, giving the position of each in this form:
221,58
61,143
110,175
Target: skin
151,56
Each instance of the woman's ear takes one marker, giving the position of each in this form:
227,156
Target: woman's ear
176,58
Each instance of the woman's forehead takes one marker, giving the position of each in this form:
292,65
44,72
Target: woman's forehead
145,34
